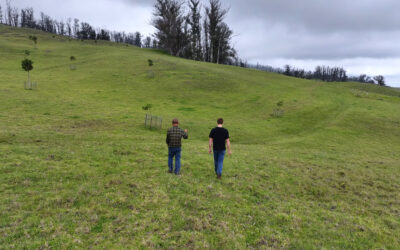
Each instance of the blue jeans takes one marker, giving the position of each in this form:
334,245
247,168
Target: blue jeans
219,161
177,153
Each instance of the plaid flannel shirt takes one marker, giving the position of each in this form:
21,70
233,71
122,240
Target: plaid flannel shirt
174,136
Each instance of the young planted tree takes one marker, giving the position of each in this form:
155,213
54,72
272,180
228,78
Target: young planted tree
72,65
27,65
148,107
278,111
34,39
150,73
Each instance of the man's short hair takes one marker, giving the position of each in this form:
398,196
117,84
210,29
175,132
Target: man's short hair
220,121
175,121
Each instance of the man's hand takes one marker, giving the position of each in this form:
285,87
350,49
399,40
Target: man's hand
185,131
210,151
228,143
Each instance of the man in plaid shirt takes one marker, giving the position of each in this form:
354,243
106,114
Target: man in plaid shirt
174,136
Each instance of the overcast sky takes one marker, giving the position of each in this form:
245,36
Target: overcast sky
360,35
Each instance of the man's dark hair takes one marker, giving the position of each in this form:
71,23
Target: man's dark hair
220,121
175,121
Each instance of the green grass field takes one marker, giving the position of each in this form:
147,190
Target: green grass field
78,169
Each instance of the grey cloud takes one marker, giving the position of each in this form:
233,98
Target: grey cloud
303,45
322,16
147,3
312,30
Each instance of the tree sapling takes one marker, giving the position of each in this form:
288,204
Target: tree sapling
27,65
150,73
34,39
147,107
72,65
278,111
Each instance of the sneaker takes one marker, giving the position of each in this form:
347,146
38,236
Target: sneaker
170,171
178,173
219,177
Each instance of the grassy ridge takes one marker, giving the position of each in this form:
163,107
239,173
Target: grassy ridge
78,169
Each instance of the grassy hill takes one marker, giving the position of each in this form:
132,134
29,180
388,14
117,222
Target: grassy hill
78,168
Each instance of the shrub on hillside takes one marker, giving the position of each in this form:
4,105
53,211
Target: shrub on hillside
147,107
278,111
34,39
72,66
27,65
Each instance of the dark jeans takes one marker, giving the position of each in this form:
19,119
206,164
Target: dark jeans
219,161
177,153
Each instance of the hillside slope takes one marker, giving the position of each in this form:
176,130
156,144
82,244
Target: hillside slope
78,168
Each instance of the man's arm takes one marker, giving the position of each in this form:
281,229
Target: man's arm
185,134
210,144
167,139
228,144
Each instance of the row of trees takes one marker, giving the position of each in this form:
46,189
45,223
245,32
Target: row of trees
379,79
196,34
323,73
73,28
